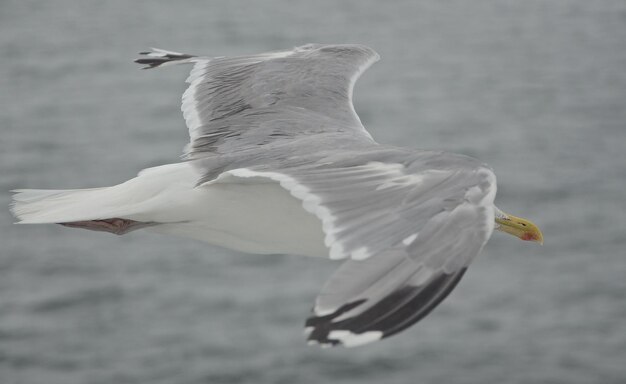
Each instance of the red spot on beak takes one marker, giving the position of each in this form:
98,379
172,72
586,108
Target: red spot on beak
528,236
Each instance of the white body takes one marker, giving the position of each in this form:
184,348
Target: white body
253,215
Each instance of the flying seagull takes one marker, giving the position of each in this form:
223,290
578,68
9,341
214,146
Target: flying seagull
279,163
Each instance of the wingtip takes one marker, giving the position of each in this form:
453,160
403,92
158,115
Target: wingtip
160,57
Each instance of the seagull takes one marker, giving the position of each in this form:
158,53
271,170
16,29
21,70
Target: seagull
279,163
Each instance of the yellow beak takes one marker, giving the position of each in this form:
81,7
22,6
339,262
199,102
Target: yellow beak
516,226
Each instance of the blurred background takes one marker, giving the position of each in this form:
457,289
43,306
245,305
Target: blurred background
537,89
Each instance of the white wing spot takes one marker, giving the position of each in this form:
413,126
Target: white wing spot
349,339
409,239
360,254
397,177
319,312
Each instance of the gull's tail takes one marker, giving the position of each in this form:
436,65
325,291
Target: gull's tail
118,209
92,209
40,206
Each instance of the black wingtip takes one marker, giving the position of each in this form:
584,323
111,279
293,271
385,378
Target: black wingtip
157,58
151,62
394,313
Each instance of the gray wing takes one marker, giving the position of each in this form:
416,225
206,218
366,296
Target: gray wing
239,103
408,229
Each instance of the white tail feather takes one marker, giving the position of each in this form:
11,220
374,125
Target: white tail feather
131,200
37,206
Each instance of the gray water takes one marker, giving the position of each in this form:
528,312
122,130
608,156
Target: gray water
537,89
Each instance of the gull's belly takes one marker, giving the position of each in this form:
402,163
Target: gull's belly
251,215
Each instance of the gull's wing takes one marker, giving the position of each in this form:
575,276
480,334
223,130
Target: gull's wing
238,103
408,229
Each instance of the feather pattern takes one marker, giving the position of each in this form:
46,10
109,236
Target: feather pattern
237,103
408,230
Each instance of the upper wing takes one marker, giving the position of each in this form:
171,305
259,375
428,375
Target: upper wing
408,230
241,102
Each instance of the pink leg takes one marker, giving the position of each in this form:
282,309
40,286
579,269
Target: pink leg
115,225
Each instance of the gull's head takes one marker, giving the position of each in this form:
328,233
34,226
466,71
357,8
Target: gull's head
516,226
